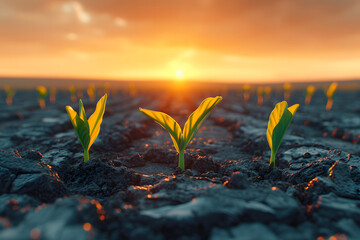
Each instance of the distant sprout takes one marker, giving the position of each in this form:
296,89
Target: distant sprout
132,90
42,92
287,88
267,91
87,130
309,93
182,138
114,92
52,96
246,90
80,93
224,90
330,93
10,93
91,92
279,121
260,95
72,91
107,88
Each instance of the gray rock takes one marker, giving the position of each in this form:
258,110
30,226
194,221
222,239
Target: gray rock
245,231
58,221
20,165
30,176
44,187
311,153
6,179
238,180
204,164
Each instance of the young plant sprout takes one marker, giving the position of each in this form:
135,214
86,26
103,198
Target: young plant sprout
267,91
91,92
42,92
80,93
260,95
329,93
279,121
309,93
52,96
132,90
182,138
87,130
72,91
246,89
107,88
287,88
9,94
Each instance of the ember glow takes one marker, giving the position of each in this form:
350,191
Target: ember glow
234,40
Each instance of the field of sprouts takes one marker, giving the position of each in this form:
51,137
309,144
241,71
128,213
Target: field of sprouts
132,186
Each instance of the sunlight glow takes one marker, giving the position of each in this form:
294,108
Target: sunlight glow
179,74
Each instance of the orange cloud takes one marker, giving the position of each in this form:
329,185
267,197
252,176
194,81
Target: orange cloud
208,39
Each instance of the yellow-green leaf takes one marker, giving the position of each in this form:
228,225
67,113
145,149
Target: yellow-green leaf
330,91
169,124
195,120
87,130
81,127
310,90
279,121
42,91
96,118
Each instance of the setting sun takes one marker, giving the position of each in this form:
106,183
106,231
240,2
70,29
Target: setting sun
179,74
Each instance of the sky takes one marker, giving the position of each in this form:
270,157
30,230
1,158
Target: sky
207,40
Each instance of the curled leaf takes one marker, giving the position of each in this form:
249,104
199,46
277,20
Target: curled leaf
87,130
195,120
279,121
330,91
169,124
42,91
182,138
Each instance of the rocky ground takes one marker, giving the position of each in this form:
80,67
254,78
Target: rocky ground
131,187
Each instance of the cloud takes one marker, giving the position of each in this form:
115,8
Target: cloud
79,11
242,33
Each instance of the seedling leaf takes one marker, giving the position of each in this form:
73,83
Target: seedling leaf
195,120
169,124
96,118
279,121
87,130
42,91
182,138
330,91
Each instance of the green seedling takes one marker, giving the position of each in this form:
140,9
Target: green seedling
72,91
330,93
279,121
52,96
309,93
132,90
87,130
80,93
246,89
9,94
287,88
182,138
267,91
42,92
260,95
91,92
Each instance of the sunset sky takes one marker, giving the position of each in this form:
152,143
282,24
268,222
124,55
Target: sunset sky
224,40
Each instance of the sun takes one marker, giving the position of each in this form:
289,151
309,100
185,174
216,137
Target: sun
179,74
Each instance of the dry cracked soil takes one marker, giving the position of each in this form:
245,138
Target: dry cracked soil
131,188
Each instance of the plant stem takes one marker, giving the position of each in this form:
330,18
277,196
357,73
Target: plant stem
86,155
181,160
272,159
